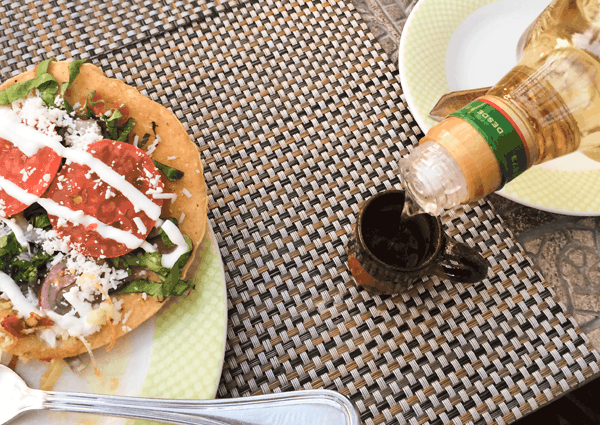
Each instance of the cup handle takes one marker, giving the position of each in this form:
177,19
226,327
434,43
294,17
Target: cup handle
459,262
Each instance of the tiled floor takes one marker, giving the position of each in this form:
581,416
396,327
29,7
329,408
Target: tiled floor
565,249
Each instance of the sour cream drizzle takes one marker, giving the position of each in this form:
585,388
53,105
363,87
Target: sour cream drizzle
74,325
17,230
168,260
21,304
77,217
29,141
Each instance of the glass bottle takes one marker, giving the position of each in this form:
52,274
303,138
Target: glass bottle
547,106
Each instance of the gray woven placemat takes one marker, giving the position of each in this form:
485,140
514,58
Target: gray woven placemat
300,117
84,29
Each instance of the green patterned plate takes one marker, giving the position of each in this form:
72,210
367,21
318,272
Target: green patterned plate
452,45
176,354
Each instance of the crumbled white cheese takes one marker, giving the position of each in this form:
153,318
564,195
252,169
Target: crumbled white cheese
172,196
34,113
186,192
109,194
154,191
117,305
48,336
82,133
153,146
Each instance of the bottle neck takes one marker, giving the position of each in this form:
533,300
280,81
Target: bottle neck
432,179
472,153
489,141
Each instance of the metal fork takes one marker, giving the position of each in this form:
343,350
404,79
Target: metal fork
307,407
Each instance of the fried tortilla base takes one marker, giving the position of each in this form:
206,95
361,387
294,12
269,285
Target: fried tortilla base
175,142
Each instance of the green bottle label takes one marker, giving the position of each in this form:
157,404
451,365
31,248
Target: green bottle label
500,133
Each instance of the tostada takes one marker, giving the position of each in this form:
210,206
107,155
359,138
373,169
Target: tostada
102,208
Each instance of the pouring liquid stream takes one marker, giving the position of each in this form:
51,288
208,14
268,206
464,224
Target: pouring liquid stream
410,208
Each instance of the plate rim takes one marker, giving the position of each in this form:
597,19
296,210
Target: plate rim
225,311
213,241
406,88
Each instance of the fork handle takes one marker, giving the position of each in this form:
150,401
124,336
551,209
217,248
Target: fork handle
314,407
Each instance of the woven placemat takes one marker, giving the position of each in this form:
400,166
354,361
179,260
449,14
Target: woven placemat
300,118
84,29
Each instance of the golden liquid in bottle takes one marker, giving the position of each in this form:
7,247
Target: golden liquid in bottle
552,95
556,83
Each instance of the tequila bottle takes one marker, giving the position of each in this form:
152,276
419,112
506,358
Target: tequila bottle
547,106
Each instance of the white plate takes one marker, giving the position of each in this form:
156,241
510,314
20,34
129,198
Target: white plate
176,354
450,45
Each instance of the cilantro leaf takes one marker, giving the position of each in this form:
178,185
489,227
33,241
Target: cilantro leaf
9,246
41,221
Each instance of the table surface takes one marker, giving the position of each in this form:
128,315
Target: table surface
298,112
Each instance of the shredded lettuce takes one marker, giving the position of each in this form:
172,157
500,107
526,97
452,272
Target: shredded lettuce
127,127
165,238
73,73
41,221
170,173
171,282
45,83
156,289
140,285
22,271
